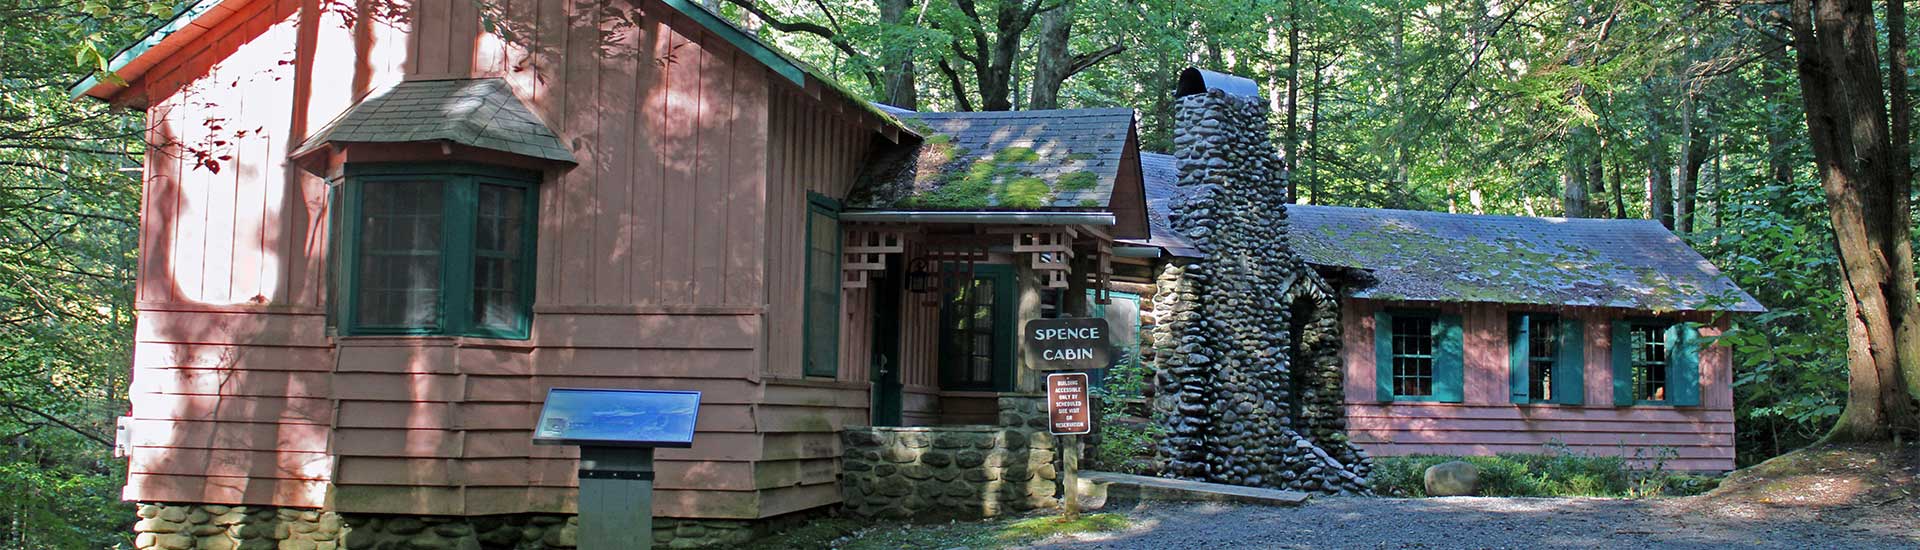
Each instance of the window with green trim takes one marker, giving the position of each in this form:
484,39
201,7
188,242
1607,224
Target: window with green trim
1548,359
1412,356
1418,356
822,307
1649,356
977,330
1656,362
436,250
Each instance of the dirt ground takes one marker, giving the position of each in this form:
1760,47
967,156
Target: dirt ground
1831,498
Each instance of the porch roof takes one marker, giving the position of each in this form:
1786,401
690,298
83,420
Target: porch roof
1069,159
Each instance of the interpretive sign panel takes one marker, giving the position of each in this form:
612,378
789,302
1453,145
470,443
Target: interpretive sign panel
1073,343
618,418
1067,403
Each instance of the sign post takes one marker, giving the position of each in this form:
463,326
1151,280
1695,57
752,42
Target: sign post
617,431
1068,344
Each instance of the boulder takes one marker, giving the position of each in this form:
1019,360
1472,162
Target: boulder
1451,479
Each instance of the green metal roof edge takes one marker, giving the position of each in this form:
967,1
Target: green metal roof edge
733,35
794,70
126,55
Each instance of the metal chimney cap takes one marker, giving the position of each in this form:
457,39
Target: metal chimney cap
1194,80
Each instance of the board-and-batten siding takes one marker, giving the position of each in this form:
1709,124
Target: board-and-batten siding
1486,421
231,390
810,150
653,271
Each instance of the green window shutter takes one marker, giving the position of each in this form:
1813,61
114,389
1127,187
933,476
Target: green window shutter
1383,355
1569,368
1683,365
1449,361
1622,343
1518,329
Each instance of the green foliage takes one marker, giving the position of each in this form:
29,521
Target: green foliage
1556,474
1126,442
67,236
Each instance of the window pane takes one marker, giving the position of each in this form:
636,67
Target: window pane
969,345
1412,356
400,240
498,244
1649,362
1543,346
823,294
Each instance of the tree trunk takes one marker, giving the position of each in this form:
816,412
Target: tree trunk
1779,135
1293,98
1688,169
1699,147
1051,56
1596,183
1860,159
1573,181
1659,170
1313,134
1619,194
901,90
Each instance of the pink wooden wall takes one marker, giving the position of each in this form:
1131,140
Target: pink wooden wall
1486,422
668,259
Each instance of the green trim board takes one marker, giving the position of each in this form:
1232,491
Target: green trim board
820,350
1446,357
459,185
1004,335
1565,378
793,70
180,20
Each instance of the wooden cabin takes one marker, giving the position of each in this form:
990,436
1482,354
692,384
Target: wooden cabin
374,234
1472,334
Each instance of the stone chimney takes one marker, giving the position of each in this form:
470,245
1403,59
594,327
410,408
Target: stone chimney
1224,390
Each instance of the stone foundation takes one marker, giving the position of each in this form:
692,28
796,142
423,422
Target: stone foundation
951,471
212,527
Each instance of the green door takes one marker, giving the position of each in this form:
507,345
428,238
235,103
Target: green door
885,371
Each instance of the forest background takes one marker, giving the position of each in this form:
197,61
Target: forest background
1685,111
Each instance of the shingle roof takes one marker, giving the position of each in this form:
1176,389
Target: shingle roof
1161,177
476,112
1435,256
1012,160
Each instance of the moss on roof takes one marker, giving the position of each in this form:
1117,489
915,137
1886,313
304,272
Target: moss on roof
1433,256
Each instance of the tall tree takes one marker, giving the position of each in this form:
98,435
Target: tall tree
1861,151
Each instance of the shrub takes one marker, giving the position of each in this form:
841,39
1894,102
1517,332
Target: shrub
1558,473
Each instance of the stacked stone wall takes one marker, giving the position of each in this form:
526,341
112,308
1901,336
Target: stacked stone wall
212,527
1224,388
952,471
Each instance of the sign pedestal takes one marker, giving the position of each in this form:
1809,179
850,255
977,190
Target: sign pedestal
616,431
1068,418
616,497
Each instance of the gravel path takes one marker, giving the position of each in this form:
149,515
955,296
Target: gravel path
1528,523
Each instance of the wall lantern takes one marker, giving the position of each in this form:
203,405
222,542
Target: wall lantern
922,277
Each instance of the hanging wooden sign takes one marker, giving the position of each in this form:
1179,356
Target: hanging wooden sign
1076,343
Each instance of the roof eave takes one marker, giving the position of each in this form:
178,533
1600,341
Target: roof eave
184,18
